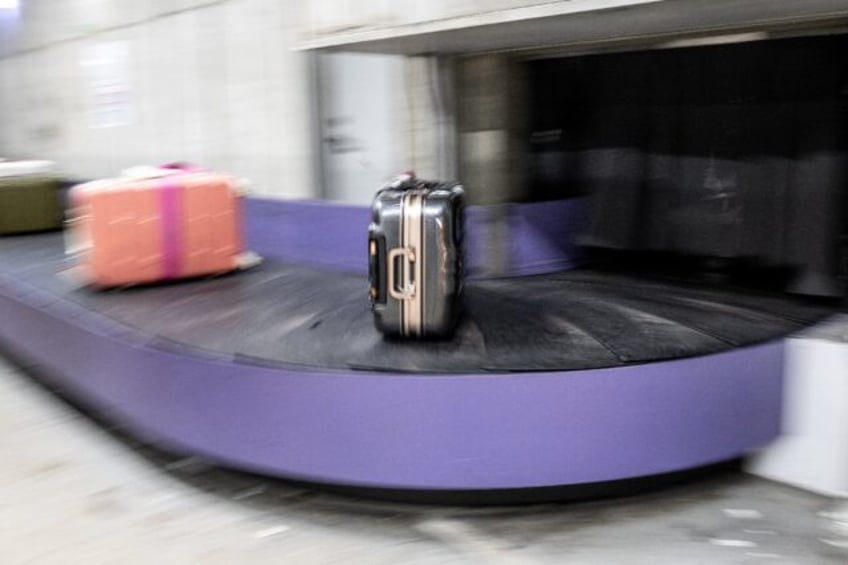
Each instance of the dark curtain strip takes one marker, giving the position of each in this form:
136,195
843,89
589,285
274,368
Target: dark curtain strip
733,151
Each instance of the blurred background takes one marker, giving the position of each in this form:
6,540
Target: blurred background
708,132
702,140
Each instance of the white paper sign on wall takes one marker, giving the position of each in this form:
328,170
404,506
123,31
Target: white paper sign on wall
106,67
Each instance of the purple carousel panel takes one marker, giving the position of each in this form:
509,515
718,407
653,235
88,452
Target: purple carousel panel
541,235
485,431
316,233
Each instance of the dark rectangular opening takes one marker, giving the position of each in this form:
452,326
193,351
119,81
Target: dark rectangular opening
730,155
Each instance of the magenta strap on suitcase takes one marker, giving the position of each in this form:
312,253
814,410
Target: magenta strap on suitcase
171,206
182,166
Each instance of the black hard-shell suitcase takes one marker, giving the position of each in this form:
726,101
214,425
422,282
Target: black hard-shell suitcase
416,257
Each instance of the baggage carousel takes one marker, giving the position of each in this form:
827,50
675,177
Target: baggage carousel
555,377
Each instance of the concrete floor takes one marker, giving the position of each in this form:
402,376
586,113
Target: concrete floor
73,492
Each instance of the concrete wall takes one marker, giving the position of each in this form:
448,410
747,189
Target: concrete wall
215,82
333,17
329,16
431,118
492,127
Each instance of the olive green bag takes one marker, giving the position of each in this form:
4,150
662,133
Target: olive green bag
29,203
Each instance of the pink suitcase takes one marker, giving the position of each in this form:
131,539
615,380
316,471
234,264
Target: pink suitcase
134,231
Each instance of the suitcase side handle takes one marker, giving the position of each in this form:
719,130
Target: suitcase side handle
402,289
377,266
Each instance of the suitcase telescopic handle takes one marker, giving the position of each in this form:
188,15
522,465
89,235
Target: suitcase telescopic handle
402,289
